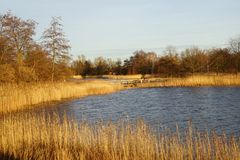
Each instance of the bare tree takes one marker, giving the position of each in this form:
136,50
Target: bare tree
55,42
235,44
79,65
193,60
18,34
152,58
101,66
235,49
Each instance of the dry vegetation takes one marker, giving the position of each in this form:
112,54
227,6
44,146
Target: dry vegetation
195,81
15,97
44,137
37,136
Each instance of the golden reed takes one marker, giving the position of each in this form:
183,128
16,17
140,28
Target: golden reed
29,136
196,81
15,97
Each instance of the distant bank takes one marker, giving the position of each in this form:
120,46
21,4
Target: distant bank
15,97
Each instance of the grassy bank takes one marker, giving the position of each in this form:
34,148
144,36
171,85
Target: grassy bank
35,137
195,81
15,97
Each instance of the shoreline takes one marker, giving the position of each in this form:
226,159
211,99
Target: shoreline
53,103
53,137
22,97
15,98
191,81
179,86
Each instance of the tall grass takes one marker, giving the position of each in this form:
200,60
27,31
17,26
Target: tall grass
195,81
43,137
15,97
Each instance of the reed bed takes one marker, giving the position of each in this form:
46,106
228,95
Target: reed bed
43,137
15,97
195,81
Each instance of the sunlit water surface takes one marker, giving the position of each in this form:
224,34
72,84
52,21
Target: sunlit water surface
212,108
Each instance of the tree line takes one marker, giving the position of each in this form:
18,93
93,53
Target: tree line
169,64
23,59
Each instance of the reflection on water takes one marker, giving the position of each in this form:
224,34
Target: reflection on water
215,108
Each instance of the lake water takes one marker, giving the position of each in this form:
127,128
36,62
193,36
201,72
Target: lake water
215,108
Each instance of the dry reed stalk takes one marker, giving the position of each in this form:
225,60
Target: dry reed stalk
15,97
42,137
195,81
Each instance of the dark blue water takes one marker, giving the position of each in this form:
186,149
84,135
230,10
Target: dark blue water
209,108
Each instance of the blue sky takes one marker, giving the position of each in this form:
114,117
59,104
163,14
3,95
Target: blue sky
115,29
